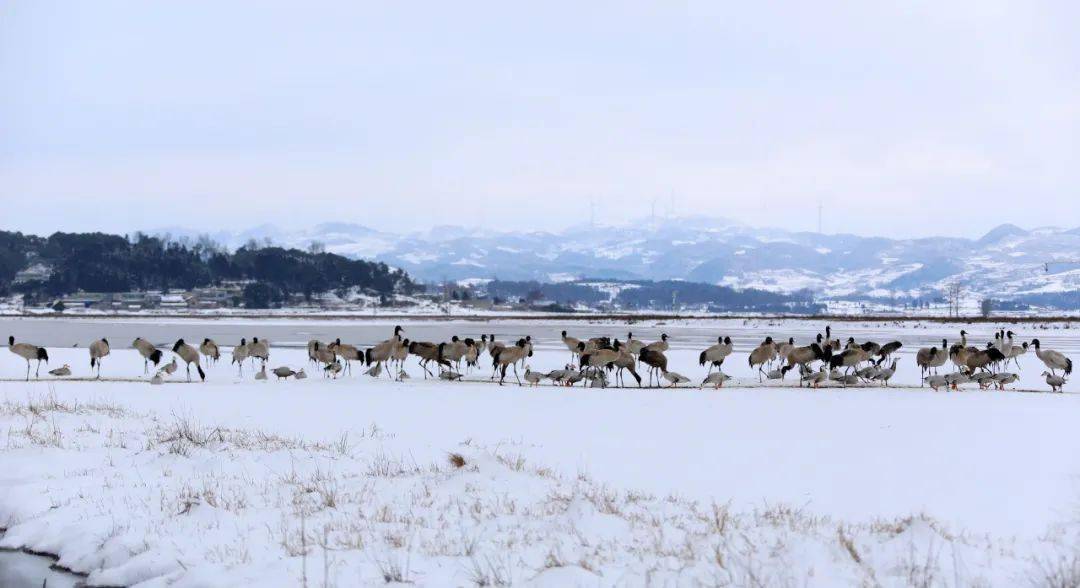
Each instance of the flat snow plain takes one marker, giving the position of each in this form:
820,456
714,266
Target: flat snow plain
349,481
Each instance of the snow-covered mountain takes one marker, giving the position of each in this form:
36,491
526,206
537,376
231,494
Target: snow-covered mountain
1006,262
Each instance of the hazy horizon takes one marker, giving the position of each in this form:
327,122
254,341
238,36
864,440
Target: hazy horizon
901,121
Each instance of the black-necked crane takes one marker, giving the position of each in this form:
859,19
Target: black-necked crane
509,356
210,351
148,352
239,354
931,358
453,351
761,355
625,361
98,350
661,345
347,352
571,344
324,355
427,352
886,351
1055,360
716,354
657,362
384,351
259,349
190,355
29,353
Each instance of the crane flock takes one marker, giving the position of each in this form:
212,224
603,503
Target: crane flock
603,361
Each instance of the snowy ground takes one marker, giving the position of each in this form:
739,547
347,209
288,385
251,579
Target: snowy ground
237,482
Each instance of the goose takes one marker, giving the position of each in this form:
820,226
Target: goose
716,354
1056,382
333,368
935,382
1003,379
283,372
148,352
574,378
956,379
347,352
190,355
983,379
210,351
504,357
28,352
761,355
375,371
427,352
869,372
239,354
676,378
928,358
1052,359
849,380
450,375
61,372
169,368
657,362
98,350
597,379
716,379
403,375
777,374
532,377
384,351
816,378
300,375
559,376
884,375
261,374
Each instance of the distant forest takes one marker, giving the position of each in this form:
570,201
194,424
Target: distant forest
647,294
98,262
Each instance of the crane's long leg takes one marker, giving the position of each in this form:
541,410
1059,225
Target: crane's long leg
28,370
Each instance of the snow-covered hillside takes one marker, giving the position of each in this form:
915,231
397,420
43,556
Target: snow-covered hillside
1005,263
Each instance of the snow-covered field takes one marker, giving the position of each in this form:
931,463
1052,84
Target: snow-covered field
354,481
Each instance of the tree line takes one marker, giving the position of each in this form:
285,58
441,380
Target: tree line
99,262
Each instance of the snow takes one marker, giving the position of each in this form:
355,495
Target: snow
238,482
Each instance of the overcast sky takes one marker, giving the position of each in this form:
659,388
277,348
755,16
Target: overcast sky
901,118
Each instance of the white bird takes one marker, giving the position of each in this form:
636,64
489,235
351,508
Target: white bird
300,375
62,371
532,377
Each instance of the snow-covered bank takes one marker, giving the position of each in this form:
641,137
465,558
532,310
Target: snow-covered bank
237,485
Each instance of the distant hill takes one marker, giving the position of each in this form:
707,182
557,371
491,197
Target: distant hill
1005,263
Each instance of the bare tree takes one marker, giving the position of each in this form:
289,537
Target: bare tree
954,294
